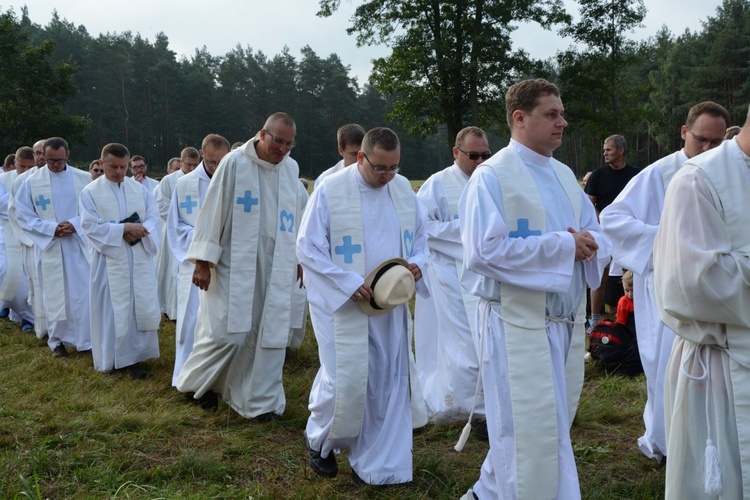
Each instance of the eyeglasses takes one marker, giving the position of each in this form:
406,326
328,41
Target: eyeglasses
137,167
60,161
703,140
97,170
280,141
381,169
475,156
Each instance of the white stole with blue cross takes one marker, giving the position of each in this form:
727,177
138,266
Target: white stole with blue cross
351,329
14,266
52,265
528,351
247,210
120,275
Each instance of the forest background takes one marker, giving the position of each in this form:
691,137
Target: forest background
450,65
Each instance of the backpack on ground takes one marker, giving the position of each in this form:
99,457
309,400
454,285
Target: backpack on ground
615,348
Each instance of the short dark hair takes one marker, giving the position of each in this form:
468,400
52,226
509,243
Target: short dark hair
215,140
9,160
56,143
618,140
709,107
523,96
24,153
136,158
115,149
189,152
380,137
350,134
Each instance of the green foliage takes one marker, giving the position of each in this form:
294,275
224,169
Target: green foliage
32,89
450,61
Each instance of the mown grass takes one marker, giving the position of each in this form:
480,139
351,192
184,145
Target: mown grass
67,431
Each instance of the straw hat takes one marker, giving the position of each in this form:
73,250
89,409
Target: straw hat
392,285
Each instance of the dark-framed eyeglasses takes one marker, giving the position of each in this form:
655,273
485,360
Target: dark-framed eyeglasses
381,169
703,140
475,156
280,141
59,161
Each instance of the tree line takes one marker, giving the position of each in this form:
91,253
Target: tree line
450,65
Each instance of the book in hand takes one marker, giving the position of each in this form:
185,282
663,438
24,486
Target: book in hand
133,218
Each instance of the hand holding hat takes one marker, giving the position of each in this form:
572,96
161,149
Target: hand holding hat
391,284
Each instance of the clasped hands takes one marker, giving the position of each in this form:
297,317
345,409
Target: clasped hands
586,246
134,231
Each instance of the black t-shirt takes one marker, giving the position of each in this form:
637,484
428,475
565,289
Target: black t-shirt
606,183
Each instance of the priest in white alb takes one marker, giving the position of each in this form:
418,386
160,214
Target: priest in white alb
47,210
166,265
36,295
187,200
121,220
531,236
444,328
14,290
702,282
631,222
349,139
245,266
360,401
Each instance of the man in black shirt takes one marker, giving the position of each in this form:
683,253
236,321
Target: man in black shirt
602,188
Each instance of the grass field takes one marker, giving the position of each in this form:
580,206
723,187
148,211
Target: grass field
67,431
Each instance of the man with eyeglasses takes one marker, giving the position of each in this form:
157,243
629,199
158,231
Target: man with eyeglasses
138,169
358,218
36,296
249,218
47,210
444,323
631,223
701,269
39,153
531,237
14,291
95,169
166,265
187,198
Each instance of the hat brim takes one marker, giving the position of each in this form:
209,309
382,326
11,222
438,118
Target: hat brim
368,307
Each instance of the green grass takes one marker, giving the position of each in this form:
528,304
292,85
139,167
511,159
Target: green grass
67,431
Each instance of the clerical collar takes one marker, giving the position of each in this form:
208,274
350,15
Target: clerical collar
528,155
206,170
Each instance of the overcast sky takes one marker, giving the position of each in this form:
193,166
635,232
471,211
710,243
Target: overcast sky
269,25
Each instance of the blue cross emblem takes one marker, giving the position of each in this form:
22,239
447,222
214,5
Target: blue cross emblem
43,202
348,250
523,230
189,204
248,201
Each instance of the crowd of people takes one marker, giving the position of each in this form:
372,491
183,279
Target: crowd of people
499,248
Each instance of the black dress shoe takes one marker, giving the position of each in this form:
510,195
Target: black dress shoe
324,467
209,400
137,371
5,313
60,351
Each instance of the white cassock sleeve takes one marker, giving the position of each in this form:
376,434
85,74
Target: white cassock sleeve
152,223
163,196
443,233
696,274
41,232
543,263
632,220
4,197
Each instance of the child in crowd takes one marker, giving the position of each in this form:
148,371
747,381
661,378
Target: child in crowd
625,315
